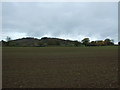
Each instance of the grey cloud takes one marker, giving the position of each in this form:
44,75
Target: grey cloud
65,20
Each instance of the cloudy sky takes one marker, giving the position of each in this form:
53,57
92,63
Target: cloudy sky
67,20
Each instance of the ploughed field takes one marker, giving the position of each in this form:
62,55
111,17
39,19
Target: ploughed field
60,67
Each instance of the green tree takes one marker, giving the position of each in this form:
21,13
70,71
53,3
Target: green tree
76,43
86,41
93,43
108,42
118,43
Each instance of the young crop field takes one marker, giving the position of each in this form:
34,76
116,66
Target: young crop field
60,67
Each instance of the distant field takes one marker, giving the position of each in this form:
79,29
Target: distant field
60,67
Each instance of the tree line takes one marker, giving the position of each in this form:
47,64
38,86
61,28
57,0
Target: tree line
106,42
47,41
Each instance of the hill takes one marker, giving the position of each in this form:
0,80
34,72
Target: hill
43,42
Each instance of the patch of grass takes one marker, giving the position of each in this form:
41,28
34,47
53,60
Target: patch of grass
60,67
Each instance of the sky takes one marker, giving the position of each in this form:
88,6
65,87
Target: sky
66,20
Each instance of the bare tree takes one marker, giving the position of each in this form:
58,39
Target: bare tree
8,38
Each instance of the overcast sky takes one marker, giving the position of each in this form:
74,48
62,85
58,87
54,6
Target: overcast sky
67,20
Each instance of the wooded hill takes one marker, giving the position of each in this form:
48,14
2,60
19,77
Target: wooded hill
47,41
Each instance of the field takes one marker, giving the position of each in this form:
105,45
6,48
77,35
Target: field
60,67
